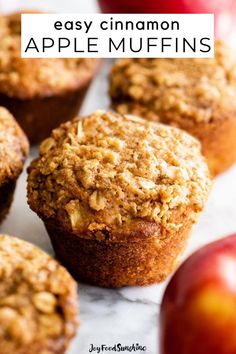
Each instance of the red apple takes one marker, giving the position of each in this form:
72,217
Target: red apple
224,10
198,311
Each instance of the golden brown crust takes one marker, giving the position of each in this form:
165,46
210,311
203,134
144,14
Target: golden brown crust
101,176
28,78
139,261
13,148
198,95
38,300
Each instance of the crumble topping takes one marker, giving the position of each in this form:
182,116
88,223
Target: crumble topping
13,147
27,78
202,90
38,298
105,170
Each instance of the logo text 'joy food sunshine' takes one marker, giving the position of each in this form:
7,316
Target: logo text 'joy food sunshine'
119,348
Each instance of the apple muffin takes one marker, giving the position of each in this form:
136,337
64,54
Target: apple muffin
33,89
197,95
13,152
38,300
118,196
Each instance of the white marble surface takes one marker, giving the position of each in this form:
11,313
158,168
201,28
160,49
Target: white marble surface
129,315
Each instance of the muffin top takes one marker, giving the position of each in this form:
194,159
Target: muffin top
201,90
106,172
38,300
27,78
13,147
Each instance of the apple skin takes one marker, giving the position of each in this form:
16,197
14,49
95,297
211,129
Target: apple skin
165,6
224,10
198,310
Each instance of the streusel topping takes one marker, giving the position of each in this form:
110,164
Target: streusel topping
202,90
13,147
38,298
105,170
26,78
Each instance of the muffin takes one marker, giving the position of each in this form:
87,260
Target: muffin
13,152
38,300
197,95
118,196
34,88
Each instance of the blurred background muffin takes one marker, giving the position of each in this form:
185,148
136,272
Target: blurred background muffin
118,196
197,95
38,301
13,152
34,88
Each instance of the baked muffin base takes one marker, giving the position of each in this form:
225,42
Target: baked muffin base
6,197
218,143
118,264
38,116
